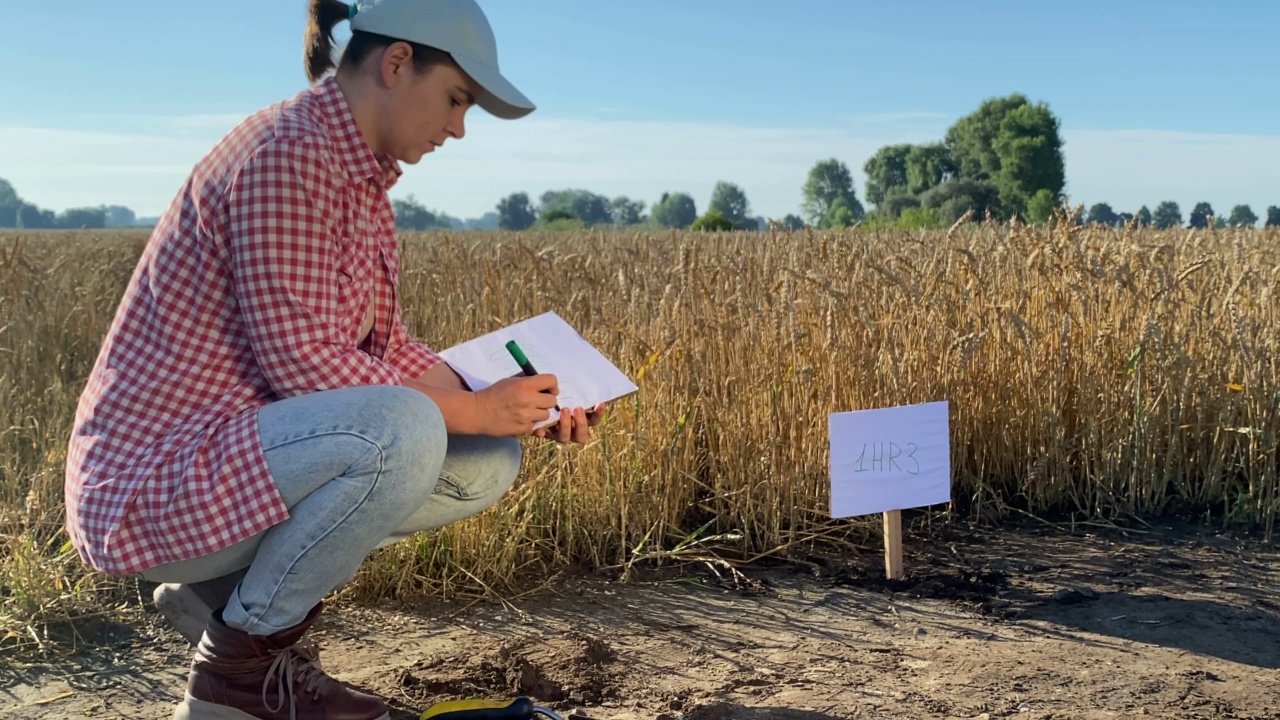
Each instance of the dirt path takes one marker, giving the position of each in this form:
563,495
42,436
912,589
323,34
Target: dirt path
1025,624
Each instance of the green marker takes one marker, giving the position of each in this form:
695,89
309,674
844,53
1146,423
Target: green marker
523,362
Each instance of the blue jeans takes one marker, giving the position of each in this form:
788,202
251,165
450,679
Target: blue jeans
359,468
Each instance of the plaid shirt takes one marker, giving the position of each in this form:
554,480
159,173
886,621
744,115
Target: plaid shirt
253,288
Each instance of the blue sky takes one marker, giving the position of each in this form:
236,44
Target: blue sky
113,102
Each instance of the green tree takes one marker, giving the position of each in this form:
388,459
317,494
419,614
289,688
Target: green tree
713,221
953,199
30,216
93,218
674,210
971,140
829,181
627,211
445,221
556,214
840,215
411,215
886,170
918,218
1030,151
10,204
1102,214
559,219
8,195
1041,206
591,208
1273,216
487,221
1144,217
120,216
1200,215
731,202
928,166
894,205
515,212
1167,215
793,222
1242,216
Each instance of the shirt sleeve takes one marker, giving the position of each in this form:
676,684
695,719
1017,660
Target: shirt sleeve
284,273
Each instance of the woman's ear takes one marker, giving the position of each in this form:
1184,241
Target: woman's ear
395,63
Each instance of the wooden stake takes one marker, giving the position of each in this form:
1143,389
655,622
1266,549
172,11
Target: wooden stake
893,545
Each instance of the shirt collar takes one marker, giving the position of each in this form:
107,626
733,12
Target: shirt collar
359,160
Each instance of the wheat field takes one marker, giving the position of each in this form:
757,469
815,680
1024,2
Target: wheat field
1093,374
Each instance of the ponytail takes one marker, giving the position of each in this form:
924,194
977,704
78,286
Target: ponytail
324,16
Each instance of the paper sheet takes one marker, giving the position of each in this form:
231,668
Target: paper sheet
586,377
890,459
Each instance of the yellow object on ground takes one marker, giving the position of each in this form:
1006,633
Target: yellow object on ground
522,708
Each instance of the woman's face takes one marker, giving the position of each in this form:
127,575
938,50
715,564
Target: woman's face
422,110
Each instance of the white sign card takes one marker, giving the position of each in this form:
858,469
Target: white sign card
890,459
585,377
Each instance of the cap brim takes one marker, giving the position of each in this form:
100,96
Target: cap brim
500,98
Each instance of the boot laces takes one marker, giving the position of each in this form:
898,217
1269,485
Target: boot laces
291,666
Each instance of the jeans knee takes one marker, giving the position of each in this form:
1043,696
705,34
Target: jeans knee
484,470
418,446
503,465
507,456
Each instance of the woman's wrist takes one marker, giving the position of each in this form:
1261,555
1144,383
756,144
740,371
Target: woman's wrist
460,408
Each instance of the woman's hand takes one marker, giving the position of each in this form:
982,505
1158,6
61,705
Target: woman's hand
512,406
574,425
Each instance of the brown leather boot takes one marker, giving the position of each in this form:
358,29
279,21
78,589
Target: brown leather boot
187,608
238,676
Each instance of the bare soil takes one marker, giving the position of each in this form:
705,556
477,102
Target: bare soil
1031,623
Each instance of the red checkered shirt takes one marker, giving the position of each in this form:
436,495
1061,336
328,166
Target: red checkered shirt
252,288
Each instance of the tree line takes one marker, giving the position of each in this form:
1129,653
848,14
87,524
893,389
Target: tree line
1168,214
1003,160
18,213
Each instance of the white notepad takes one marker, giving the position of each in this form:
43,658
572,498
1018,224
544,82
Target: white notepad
586,377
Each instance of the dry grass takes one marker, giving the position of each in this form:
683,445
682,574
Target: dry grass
1103,374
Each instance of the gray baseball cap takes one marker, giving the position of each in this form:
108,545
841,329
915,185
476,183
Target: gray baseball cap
458,27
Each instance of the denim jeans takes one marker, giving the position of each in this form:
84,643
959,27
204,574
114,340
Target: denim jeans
359,468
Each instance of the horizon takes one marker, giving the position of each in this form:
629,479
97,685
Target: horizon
1160,103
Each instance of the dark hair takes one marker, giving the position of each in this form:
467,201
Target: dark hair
318,42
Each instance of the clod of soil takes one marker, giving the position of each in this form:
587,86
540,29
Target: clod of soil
555,672
1071,596
731,711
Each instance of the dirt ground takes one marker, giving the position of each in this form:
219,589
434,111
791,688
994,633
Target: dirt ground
1029,623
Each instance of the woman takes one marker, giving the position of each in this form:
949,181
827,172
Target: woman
259,420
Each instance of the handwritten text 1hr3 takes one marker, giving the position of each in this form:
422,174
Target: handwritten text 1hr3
888,457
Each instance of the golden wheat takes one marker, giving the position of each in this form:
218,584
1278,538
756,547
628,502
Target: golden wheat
1099,373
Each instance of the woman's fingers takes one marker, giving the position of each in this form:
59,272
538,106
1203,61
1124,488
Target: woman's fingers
564,429
595,416
581,427
572,426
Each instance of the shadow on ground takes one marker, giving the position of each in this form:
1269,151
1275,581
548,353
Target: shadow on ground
1205,627
1171,587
